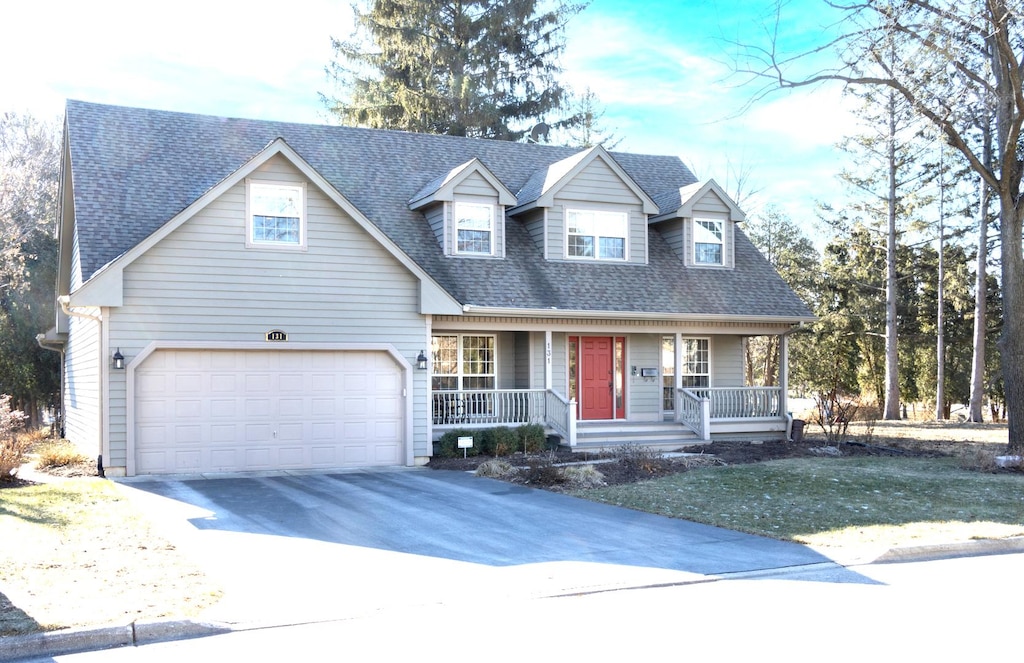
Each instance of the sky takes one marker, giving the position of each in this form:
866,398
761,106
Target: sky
660,68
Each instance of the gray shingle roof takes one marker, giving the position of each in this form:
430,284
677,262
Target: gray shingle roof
135,169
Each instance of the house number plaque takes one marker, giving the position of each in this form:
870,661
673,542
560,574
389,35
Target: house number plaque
276,335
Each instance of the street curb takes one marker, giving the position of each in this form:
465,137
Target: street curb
975,548
54,643
924,553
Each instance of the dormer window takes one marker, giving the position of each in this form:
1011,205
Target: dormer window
474,228
276,215
708,242
595,234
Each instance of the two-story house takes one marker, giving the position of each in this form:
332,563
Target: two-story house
247,295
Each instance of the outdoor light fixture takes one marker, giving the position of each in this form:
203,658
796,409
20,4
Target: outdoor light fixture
421,361
118,359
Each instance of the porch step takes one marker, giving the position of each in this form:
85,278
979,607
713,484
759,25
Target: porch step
659,435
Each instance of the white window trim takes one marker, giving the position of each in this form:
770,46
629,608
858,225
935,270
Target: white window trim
695,223
455,227
250,243
681,362
459,373
597,244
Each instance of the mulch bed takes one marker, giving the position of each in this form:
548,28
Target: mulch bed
634,464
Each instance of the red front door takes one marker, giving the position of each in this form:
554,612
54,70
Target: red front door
597,377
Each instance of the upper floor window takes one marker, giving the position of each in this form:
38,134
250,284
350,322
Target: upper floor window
276,215
595,234
474,228
708,242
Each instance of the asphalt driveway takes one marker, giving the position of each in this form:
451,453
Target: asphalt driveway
305,547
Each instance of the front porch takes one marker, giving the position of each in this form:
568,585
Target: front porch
699,415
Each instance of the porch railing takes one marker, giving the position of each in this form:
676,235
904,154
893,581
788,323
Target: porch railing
505,407
744,402
693,410
696,408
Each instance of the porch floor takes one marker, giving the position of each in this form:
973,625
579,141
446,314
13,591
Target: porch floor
593,436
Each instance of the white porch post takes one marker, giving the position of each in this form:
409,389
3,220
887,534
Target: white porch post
547,360
783,374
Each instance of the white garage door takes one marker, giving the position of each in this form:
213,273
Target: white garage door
245,410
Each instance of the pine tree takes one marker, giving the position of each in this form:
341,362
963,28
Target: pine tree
479,68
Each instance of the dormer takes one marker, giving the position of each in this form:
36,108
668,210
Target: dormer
698,221
465,207
586,208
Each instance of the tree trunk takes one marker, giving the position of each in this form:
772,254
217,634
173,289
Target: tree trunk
1011,342
975,412
941,412
892,380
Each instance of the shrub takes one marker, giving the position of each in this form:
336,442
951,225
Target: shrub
496,468
543,472
448,445
531,438
504,441
13,446
59,453
639,462
583,476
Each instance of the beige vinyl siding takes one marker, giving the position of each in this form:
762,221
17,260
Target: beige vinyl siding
534,222
672,232
598,187
435,218
476,185
82,380
524,360
76,263
538,363
643,394
201,284
506,368
727,361
559,363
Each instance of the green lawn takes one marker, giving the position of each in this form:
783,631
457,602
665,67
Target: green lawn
838,502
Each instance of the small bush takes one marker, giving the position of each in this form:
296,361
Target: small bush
448,445
542,472
59,453
583,476
531,438
496,469
504,441
13,446
639,462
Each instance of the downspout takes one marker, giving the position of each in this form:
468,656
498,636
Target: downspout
58,347
65,306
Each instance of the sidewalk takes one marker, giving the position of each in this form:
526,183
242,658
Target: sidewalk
43,645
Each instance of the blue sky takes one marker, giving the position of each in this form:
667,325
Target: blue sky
660,67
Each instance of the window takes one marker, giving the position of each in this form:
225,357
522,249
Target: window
696,360
474,228
276,215
462,362
707,242
597,235
696,367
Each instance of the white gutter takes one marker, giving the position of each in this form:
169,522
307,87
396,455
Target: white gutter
471,309
65,306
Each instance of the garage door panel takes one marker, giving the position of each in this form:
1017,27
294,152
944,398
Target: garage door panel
210,410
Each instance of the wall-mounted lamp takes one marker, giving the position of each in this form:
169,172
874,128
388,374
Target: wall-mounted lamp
118,359
421,361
